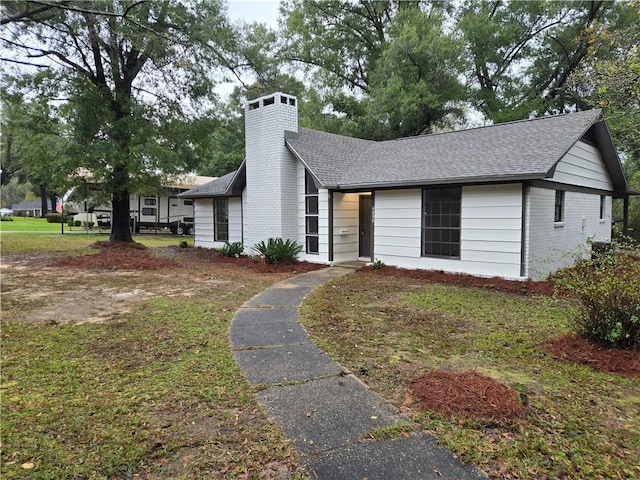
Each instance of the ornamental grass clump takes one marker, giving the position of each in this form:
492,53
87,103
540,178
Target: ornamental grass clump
608,289
277,250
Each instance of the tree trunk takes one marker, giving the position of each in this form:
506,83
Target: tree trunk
120,228
44,205
120,221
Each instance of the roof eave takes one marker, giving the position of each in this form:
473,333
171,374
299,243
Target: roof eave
484,179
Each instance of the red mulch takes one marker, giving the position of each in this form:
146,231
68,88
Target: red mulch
467,394
495,283
115,255
573,348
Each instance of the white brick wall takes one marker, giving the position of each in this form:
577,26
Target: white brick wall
550,245
271,192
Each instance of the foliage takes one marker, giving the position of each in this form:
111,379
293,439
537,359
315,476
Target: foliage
277,250
130,78
13,192
522,53
233,249
55,218
6,218
377,264
608,288
184,244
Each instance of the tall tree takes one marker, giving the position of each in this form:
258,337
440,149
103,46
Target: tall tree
131,74
384,68
523,53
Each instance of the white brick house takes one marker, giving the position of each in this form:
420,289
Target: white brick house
516,200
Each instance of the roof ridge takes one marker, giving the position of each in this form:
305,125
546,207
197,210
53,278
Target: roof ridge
597,111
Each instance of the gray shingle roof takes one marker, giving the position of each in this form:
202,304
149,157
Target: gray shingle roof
213,188
514,151
521,150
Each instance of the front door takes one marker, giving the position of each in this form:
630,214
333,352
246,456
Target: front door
366,230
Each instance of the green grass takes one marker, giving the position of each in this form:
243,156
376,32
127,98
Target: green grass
580,423
154,393
17,242
31,224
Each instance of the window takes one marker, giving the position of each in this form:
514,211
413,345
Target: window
603,204
311,211
150,201
220,220
149,211
441,222
188,202
558,212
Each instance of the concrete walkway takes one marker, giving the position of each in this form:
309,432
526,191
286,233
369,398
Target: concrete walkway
326,411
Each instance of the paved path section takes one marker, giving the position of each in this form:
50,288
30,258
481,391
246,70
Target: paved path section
326,411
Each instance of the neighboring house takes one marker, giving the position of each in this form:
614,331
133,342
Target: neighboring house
516,200
163,210
6,212
30,209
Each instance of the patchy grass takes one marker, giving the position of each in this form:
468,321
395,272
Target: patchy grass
579,423
75,244
152,392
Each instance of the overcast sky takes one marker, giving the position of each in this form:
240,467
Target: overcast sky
265,11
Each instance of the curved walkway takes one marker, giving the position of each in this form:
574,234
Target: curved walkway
322,408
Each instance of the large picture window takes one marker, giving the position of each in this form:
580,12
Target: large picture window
441,222
311,212
221,220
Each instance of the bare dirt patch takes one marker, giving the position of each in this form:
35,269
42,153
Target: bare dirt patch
96,287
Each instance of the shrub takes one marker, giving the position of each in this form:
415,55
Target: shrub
183,244
608,288
6,219
234,249
377,264
55,217
277,250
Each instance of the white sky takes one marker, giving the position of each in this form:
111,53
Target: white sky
264,11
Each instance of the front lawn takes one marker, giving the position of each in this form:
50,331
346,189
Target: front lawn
112,373
579,424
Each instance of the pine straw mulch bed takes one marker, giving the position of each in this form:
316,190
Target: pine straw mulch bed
467,395
115,255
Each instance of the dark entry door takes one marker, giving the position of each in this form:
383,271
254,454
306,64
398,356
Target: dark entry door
366,230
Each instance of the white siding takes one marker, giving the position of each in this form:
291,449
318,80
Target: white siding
345,226
583,166
203,218
550,245
490,231
203,222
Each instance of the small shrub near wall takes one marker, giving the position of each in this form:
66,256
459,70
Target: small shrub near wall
608,288
233,249
277,250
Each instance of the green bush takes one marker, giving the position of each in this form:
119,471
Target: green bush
608,288
6,219
277,250
55,217
234,249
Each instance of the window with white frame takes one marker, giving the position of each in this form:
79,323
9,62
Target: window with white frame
220,220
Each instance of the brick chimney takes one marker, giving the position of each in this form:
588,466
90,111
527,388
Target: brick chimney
270,203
